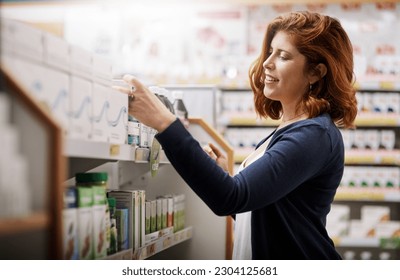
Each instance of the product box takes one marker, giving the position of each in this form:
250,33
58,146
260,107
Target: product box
387,139
337,229
80,62
372,139
56,52
153,215
81,109
70,225
361,229
117,116
388,229
179,212
102,70
30,75
6,37
164,212
147,214
129,199
85,222
339,212
142,217
99,222
28,42
122,217
393,102
144,136
100,130
170,211
159,214
375,214
56,95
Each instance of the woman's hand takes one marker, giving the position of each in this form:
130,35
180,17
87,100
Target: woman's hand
217,155
145,105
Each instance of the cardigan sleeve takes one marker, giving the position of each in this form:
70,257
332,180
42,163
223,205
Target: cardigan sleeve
293,157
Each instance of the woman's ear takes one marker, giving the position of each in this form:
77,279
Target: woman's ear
317,73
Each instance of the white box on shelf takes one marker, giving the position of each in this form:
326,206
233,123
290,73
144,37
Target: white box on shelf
6,37
56,52
339,212
100,129
81,62
28,42
117,116
80,109
375,213
29,74
388,229
56,95
361,229
102,70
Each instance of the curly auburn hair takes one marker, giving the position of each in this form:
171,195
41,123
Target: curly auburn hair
321,39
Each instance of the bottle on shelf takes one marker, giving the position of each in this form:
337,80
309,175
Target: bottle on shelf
179,106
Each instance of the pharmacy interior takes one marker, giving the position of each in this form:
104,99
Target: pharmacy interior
82,179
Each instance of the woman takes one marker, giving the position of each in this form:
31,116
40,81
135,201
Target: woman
284,190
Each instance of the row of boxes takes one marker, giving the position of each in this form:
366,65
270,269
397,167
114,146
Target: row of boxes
75,85
138,222
374,221
371,177
372,139
379,102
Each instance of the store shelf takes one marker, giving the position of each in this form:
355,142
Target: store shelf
361,194
371,242
36,221
377,119
162,243
377,157
248,119
362,157
107,151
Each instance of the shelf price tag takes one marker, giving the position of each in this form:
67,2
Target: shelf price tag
114,150
386,85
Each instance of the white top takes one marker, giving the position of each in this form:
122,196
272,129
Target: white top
242,235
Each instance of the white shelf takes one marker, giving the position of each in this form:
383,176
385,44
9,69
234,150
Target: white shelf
358,242
363,194
162,243
369,242
98,150
107,151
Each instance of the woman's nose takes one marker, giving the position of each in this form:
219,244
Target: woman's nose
268,64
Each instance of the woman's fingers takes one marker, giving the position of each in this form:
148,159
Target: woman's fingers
210,152
215,150
133,81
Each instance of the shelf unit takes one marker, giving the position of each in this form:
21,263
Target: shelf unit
67,156
47,166
128,171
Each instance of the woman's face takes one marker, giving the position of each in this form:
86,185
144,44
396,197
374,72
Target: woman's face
285,78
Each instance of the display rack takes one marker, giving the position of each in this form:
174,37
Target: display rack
45,219
76,152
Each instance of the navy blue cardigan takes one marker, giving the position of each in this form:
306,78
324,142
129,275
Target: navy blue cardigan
289,189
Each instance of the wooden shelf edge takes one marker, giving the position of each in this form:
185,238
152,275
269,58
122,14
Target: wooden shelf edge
35,221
